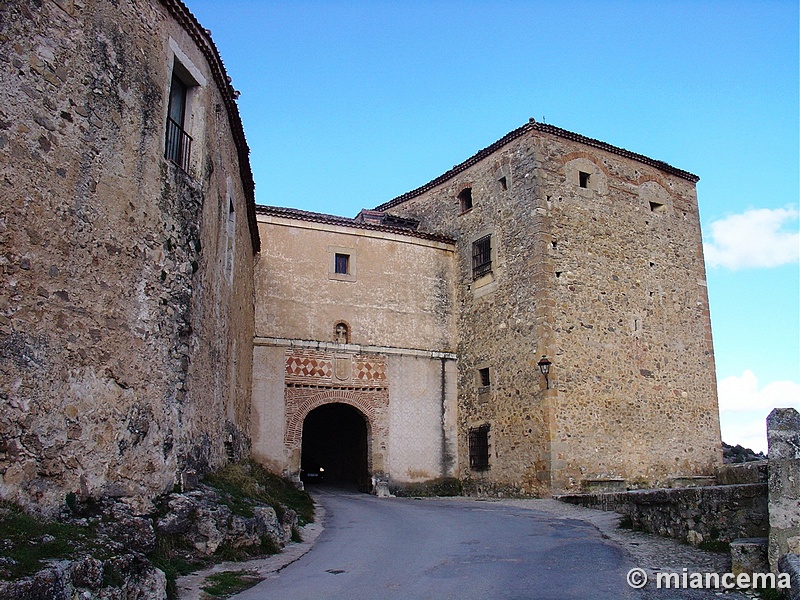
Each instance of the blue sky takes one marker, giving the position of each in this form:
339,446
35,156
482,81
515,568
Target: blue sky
348,104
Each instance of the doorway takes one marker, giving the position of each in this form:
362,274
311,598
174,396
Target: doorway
335,447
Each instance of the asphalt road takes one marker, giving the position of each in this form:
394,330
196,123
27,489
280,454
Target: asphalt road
439,549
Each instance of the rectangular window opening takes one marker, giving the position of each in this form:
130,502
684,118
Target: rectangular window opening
342,264
178,144
484,377
479,448
583,179
230,247
465,198
482,257
503,183
657,207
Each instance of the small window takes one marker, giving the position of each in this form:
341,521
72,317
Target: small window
465,198
230,246
483,375
657,207
479,448
503,183
482,257
583,179
342,264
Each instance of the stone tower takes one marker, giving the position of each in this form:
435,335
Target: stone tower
590,255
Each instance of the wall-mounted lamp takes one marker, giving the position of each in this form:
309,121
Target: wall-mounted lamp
544,367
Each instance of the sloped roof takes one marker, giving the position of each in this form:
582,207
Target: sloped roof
202,38
304,215
519,132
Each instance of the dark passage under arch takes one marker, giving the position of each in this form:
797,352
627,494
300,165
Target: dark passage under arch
335,438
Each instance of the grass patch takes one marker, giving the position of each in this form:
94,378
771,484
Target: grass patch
248,481
770,594
714,546
227,583
241,487
26,541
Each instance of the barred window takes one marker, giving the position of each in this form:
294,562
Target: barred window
481,257
479,448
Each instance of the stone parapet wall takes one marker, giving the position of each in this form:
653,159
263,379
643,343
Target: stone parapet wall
749,472
693,515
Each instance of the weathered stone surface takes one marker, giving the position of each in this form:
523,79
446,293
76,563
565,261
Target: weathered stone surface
749,555
596,262
790,563
693,515
783,437
126,297
203,519
129,577
749,472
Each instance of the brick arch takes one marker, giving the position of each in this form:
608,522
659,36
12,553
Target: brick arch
592,158
293,437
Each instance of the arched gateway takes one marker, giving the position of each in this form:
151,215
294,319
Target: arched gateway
339,428
335,447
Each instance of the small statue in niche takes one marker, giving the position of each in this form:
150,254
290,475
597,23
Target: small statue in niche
341,333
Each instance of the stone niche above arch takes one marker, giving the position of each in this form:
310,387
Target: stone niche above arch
341,332
655,198
585,176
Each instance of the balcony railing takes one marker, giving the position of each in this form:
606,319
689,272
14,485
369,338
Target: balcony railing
178,145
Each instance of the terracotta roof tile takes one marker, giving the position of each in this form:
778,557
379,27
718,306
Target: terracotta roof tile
519,132
304,215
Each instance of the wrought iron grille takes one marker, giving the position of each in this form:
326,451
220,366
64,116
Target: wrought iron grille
479,448
481,257
178,144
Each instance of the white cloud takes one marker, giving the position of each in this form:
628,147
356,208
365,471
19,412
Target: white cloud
756,238
744,406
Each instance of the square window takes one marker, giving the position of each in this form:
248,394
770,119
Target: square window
481,257
479,448
342,264
583,179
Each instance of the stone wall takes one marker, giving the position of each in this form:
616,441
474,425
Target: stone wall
126,304
719,513
597,263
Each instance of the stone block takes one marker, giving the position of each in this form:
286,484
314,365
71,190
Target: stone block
783,436
790,563
749,555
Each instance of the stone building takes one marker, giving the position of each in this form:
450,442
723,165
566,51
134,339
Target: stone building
354,363
545,244
128,237
147,336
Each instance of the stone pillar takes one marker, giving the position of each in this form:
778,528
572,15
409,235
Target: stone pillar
783,436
